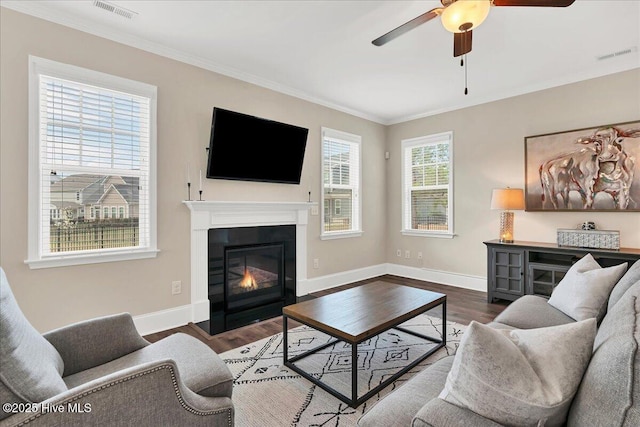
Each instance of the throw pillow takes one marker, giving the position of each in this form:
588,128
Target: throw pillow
584,291
31,367
611,380
523,377
630,277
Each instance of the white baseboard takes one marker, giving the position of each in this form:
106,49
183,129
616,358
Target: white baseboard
179,316
466,281
162,320
332,280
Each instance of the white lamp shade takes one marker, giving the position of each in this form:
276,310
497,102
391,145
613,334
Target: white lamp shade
462,12
507,199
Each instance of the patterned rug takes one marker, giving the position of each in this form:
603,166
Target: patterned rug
267,394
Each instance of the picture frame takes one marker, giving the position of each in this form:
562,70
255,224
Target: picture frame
590,169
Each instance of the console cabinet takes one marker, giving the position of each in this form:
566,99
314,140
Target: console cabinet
532,268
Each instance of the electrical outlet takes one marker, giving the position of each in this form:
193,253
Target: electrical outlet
176,287
419,255
407,254
399,253
316,263
314,210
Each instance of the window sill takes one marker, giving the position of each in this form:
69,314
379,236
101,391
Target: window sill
343,235
427,234
63,261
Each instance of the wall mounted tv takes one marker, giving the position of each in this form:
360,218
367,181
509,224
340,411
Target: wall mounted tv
249,148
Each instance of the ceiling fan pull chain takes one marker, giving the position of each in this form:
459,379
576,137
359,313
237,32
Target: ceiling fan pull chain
466,89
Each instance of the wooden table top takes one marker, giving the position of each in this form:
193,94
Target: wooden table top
364,311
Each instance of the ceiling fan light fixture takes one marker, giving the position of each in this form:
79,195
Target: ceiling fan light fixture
458,15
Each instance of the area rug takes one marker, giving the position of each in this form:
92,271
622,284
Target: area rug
267,394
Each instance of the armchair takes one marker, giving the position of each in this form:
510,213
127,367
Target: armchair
102,372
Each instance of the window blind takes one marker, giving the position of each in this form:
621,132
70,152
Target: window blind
427,184
94,168
341,181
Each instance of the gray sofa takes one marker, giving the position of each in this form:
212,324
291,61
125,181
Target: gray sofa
609,394
102,372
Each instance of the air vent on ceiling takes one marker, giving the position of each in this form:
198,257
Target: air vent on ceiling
110,7
618,53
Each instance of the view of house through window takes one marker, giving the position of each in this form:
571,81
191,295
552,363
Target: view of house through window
341,182
427,184
118,197
94,146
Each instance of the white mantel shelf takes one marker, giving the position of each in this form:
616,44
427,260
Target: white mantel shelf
222,214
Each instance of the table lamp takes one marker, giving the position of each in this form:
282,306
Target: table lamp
507,199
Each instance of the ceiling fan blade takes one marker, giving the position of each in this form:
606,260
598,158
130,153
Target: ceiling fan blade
462,43
415,22
538,3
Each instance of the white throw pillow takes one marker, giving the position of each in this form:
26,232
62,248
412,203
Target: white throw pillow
584,291
520,377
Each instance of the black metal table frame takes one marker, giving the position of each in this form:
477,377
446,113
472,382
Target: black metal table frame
354,401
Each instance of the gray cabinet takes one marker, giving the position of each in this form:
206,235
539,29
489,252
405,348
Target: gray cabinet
506,272
531,268
543,278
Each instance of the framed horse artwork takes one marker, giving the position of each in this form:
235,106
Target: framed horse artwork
595,169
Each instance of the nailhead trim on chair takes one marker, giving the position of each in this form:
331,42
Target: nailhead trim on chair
176,389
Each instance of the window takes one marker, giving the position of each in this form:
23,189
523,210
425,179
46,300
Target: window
92,139
427,185
341,184
121,212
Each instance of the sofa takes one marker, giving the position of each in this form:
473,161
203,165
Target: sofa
608,393
102,372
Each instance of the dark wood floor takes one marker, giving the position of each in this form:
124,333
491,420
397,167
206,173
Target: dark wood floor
463,306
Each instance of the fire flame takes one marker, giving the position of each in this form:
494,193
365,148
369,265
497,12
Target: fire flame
248,281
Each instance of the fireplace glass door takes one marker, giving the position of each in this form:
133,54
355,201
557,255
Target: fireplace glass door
253,275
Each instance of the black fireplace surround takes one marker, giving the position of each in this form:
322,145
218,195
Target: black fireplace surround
252,275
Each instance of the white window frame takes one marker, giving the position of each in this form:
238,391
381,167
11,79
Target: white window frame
356,210
408,144
40,66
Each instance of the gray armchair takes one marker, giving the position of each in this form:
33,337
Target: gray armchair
102,372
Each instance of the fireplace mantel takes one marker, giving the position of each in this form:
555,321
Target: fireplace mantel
217,214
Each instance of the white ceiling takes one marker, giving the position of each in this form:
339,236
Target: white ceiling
321,50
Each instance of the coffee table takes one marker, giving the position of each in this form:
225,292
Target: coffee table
357,314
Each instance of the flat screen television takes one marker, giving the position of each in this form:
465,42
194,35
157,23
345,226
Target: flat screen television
248,148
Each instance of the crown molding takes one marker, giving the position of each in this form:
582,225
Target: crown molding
627,65
42,11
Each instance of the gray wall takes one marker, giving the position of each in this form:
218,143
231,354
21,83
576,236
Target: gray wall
489,153
186,96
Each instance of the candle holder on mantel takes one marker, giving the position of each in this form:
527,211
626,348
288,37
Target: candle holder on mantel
200,192
188,191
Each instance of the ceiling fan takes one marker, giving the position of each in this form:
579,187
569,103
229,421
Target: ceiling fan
461,16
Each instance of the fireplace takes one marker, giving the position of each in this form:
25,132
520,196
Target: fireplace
208,215
251,274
